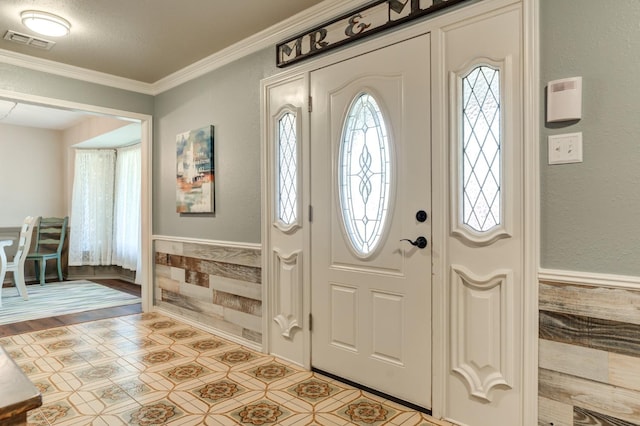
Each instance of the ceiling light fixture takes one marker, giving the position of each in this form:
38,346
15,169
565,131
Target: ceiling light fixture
45,23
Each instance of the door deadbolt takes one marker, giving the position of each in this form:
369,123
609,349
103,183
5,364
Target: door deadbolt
421,216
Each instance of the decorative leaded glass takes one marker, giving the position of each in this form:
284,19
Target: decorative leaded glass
364,174
287,169
481,142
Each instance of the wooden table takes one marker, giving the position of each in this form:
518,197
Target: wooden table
17,394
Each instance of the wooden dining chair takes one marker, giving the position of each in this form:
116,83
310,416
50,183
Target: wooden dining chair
49,242
17,264
3,263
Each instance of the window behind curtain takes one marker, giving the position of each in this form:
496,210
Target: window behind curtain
91,235
105,210
126,218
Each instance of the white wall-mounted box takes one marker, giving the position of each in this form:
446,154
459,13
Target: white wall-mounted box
564,99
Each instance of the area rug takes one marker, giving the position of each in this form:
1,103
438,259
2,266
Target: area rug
54,299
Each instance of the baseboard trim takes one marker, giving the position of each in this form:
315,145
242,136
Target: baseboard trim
235,339
31,279
87,277
590,279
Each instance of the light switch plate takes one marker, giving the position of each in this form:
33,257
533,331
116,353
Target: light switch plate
564,149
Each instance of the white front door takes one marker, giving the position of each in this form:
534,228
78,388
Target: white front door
370,189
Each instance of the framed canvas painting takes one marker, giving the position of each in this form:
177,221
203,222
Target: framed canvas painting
194,171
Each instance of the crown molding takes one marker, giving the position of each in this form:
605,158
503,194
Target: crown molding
77,73
298,23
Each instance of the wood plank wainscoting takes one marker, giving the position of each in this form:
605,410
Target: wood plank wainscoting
589,354
216,285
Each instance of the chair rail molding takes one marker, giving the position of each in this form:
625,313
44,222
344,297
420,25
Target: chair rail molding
233,244
590,278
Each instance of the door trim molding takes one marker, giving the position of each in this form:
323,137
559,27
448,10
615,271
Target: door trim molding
531,151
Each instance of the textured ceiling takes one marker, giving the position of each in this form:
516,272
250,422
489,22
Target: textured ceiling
145,40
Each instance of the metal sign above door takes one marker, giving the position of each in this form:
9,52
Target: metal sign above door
363,22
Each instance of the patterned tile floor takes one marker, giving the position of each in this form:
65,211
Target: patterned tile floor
150,369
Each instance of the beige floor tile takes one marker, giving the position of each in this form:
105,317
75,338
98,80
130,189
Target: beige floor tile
407,419
156,381
106,420
81,398
117,410
219,420
64,381
250,397
82,421
226,406
326,419
55,397
57,412
298,420
188,403
47,364
43,384
247,381
157,412
188,420
94,409
36,418
139,368
151,397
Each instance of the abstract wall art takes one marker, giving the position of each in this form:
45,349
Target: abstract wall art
194,171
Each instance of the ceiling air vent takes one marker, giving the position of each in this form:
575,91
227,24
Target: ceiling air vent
28,40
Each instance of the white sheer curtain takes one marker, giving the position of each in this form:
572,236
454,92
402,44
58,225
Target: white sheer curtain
126,219
91,235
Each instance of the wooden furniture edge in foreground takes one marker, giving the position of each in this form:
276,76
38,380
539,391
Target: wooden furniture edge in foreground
18,394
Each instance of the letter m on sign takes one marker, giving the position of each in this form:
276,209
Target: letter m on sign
290,51
397,6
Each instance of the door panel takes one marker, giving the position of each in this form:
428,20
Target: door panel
283,222
372,312
484,280
344,315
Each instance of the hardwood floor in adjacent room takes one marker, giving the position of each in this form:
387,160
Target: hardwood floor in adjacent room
97,314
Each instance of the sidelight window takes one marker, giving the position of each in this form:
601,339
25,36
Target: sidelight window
481,149
287,169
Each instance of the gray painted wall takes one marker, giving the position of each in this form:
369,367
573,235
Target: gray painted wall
22,80
229,99
590,211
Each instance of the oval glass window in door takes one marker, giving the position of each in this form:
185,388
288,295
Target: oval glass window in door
364,174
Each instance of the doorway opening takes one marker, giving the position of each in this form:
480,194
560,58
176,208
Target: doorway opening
77,113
